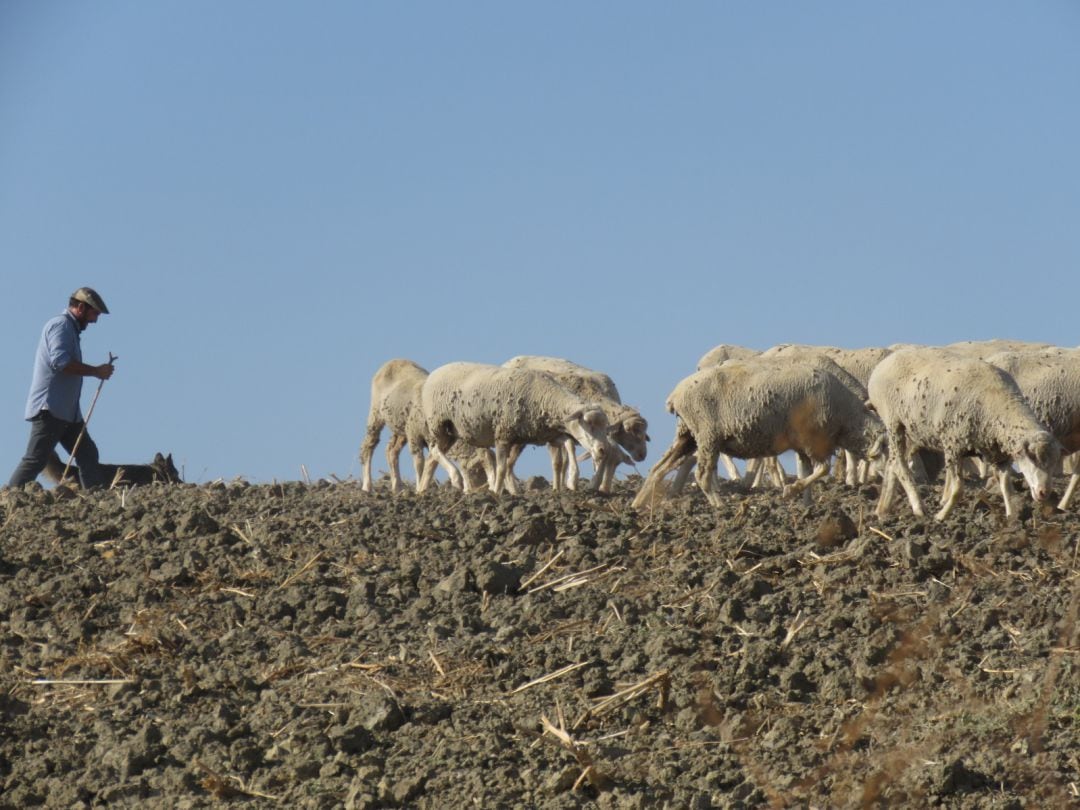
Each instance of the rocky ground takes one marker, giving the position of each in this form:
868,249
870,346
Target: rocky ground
315,646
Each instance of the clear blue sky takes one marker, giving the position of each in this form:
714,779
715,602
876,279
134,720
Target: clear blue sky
276,197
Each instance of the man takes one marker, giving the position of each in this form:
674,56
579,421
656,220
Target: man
53,405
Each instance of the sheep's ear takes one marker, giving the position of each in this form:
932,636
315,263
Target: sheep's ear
869,406
595,419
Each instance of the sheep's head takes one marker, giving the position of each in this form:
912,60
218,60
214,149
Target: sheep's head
1037,459
589,426
632,432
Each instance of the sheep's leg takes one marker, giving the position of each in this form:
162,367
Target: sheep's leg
820,470
681,475
573,472
608,467
681,448
954,483
1002,475
602,474
706,475
445,463
511,483
897,454
729,466
1066,499
367,449
839,467
393,455
803,467
751,476
487,461
425,476
452,472
558,466
503,452
776,471
851,469
607,474
753,473
864,472
888,491
417,454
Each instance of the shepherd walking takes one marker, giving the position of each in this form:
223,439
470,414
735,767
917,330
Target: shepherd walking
53,408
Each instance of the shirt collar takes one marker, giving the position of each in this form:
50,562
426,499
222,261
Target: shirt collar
78,326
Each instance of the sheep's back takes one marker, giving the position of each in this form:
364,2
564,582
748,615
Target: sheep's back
753,408
947,399
487,403
585,382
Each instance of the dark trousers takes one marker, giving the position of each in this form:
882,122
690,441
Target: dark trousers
45,432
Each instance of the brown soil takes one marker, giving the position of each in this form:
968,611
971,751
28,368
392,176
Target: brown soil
314,646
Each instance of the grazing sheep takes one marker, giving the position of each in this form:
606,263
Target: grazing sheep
395,398
819,357
491,406
762,407
960,406
627,427
1049,379
857,364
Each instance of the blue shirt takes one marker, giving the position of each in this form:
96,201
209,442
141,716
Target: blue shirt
51,389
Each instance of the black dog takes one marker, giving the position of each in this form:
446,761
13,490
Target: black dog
161,469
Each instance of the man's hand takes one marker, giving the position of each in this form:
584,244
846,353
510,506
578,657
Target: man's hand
104,371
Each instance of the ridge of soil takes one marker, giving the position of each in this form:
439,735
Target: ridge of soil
312,645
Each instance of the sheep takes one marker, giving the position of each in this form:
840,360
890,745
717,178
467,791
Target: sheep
627,427
818,356
958,405
395,398
1049,379
491,406
758,408
857,364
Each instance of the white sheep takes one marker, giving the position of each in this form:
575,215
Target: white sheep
395,402
960,406
491,406
1050,382
820,357
856,365
626,426
762,407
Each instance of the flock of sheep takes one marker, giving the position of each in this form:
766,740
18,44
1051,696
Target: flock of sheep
899,412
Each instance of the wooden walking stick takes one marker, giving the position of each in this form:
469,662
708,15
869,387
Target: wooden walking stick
86,421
